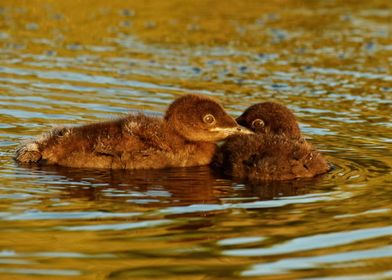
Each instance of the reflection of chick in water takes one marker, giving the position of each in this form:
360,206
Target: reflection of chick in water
164,188
161,188
267,190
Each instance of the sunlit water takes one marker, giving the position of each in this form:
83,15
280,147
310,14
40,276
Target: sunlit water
75,62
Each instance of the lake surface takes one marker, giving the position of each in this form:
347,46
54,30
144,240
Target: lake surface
76,62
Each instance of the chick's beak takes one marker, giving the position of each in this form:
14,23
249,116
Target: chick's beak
243,130
232,130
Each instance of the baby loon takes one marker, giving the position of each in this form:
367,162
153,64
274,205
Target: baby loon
276,152
186,136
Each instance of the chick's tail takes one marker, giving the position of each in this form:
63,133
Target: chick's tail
28,152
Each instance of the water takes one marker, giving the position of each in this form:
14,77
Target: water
69,63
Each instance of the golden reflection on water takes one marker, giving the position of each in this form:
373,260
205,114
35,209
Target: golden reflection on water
72,62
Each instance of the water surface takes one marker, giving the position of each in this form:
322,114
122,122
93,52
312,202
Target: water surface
71,62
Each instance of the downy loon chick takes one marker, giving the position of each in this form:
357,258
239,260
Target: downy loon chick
276,152
186,136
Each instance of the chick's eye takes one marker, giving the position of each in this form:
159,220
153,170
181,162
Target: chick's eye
257,123
209,119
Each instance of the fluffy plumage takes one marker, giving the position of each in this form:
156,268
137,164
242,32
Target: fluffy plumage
185,137
276,152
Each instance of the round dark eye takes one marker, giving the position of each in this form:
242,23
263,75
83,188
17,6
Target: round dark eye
257,123
209,119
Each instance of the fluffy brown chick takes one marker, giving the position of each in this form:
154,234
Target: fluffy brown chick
186,136
276,152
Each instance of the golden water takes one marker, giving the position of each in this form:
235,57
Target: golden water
74,62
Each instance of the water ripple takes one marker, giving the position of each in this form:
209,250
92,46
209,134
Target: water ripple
119,226
314,242
286,265
42,272
36,215
279,202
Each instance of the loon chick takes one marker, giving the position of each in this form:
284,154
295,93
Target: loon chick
276,152
186,136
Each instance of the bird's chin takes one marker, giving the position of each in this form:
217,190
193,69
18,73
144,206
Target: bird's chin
211,137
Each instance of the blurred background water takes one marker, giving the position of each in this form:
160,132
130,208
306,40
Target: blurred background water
75,62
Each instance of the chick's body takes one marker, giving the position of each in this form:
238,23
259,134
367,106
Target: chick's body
185,137
276,152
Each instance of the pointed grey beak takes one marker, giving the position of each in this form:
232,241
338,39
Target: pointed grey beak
232,130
